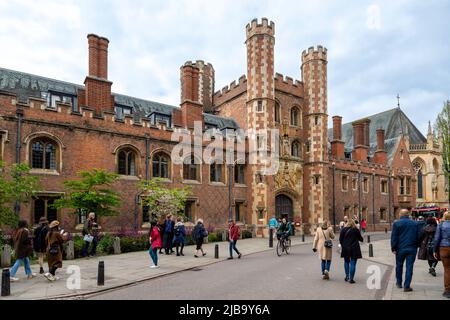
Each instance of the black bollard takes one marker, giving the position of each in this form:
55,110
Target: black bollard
6,288
271,238
101,273
303,237
370,250
368,239
216,251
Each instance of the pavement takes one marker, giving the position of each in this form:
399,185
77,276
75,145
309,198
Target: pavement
133,269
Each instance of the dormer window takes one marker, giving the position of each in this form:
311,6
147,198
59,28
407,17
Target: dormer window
54,97
122,111
157,118
210,126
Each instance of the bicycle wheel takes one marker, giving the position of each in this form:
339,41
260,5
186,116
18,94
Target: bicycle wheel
287,246
279,248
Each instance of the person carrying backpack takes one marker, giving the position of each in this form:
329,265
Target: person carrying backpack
234,235
426,245
179,236
39,244
198,234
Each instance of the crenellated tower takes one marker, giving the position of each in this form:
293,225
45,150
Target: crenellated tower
314,76
260,102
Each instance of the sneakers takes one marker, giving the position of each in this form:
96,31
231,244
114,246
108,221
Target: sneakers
239,256
41,271
31,276
326,275
433,272
230,258
351,281
13,279
408,289
154,267
49,276
346,279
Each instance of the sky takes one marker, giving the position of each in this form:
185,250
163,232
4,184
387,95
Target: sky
376,49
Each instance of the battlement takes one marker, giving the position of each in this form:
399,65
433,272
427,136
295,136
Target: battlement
200,64
313,53
288,85
231,90
265,27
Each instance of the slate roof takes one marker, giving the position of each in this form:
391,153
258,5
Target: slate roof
393,121
26,85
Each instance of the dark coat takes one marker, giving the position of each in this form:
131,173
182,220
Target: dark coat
349,239
54,238
426,242
199,232
405,235
40,233
22,244
181,237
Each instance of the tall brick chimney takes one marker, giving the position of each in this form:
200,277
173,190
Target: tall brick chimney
98,88
360,140
337,145
380,155
191,106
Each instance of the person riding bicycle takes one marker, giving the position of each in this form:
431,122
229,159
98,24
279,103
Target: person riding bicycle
284,230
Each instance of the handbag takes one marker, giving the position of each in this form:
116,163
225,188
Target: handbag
53,249
327,243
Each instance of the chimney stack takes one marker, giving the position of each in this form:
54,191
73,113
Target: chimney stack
380,155
191,106
98,88
361,140
337,145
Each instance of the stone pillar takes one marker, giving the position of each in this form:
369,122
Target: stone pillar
116,245
70,250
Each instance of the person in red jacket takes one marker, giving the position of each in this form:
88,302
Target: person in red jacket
155,243
234,234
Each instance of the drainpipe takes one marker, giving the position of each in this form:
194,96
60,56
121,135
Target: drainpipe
373,200
19,113
147,157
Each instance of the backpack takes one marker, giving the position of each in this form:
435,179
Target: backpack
178,231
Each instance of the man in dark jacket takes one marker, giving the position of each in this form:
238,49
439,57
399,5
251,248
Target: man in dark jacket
39,244
404,242
168,234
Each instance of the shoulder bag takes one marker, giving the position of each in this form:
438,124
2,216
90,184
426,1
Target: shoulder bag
327,243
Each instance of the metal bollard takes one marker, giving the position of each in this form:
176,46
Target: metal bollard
216,251
303,237
368,239
370,250
271,238
6,287
101,273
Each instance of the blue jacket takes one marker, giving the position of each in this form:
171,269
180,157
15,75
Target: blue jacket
442,236
273,223
405,235
169,226
180,238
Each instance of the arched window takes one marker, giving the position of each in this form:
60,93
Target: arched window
295,113
43,154
127,162
277,112
160,165
191,170
296,149
419,167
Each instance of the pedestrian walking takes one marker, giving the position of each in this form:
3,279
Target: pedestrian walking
273,225
426,245
155,243
161,226
323,243
198,234
23,250
363,225
168,234
349,239
404,242
90,235
179,236
442,249
234,233
55,240
39,245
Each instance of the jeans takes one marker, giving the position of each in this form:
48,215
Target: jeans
86,247
350,267
26,263
326,265
410,257
233,247
154,255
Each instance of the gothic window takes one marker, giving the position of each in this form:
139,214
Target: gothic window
216,173
419,184
43,154
277,112
239,174
191,170
295,149
127,162
295,116
405,185
160,165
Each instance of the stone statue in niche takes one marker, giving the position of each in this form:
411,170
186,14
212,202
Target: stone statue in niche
285,140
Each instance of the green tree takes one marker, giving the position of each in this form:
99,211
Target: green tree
443,126
91,193
16,186
161,200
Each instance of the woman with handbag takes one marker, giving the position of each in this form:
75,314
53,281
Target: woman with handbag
426,245
441,249
349,239
324,244
23,250
54,241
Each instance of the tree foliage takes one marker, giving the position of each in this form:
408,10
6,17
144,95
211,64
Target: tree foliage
443,126
91,193
161,200
16,185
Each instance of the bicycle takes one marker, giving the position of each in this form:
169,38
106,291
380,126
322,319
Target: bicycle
283,245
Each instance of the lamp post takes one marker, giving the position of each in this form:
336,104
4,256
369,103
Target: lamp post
230,185
373,198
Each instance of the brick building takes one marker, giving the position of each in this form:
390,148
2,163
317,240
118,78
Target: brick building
60,128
